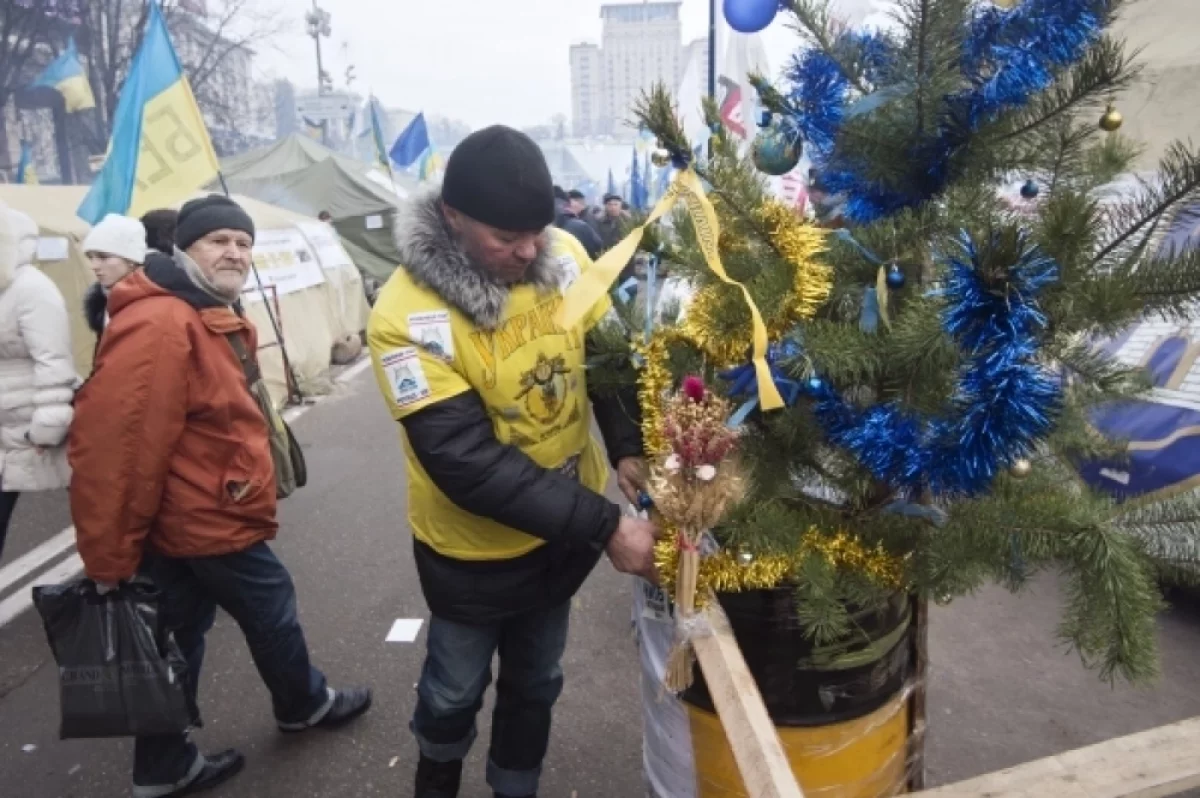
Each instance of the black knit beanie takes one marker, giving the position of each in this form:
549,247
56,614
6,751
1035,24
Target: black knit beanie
199,217
499,176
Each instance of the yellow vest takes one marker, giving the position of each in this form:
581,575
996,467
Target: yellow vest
529,373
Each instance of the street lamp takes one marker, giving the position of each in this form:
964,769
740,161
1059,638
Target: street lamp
319,24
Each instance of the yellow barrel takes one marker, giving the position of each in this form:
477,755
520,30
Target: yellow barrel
841,708
861,758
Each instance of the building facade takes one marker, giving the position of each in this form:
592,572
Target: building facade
641,45
586,87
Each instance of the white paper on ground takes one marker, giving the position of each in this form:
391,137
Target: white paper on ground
405,630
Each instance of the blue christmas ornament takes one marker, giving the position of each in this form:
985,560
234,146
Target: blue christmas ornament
816,384
764,118
750,16
644,502
776,151
895,277
1030,190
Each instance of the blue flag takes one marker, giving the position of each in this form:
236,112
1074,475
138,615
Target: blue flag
160,151
65,75
411,145
637,186
26,174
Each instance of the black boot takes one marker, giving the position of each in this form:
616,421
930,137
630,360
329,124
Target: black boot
438,779
218,769
347,705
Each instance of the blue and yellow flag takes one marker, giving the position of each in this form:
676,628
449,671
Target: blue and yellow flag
431,165
377,134
65,75
160,151
26,174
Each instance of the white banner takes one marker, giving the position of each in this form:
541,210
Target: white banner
285,261
325,242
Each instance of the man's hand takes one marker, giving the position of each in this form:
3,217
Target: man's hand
631,548
631,477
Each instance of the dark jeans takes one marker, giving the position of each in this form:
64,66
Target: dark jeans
254,588
457,671
8,500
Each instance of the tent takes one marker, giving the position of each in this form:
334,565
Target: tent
1163,428
314,289
303,176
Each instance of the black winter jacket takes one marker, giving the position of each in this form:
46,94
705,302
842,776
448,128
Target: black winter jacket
456,444
457,447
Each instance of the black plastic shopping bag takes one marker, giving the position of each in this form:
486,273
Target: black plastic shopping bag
119,673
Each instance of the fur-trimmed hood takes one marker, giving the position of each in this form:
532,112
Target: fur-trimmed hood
434,259
95,306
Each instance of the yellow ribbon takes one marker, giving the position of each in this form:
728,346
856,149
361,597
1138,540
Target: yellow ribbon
594,283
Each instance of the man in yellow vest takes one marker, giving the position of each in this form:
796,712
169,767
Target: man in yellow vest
505,482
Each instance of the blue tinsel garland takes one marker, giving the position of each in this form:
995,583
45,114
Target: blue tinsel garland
1008,56
1004,401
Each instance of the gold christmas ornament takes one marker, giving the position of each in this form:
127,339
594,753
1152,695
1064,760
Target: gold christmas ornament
660,158
1112,119
1021,468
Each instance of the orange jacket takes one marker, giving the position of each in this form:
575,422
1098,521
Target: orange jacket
168,448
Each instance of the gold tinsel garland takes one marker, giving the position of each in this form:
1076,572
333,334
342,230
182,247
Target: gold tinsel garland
654,381
723,572
800,244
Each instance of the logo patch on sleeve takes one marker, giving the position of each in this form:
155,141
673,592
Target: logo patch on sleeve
431,331
570,269
405,376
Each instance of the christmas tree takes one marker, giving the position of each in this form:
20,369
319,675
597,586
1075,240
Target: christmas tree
932,342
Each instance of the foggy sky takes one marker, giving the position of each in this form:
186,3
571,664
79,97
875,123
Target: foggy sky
482,61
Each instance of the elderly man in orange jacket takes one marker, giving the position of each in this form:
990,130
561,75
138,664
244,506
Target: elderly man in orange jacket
173,478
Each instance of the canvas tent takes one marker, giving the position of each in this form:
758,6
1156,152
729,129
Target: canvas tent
301,175
1163,428
314,288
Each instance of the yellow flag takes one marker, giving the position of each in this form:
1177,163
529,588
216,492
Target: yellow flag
594,283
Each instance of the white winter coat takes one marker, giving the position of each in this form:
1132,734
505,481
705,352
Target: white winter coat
37,372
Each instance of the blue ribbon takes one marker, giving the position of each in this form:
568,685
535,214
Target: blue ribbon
651,279
745,383
934,515
627,290
845,235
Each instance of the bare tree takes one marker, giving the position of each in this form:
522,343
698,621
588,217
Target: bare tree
215,41
26,27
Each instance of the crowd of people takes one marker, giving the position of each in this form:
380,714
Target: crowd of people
172,460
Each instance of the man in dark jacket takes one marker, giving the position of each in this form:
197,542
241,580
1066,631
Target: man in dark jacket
505,483
565,218
173,479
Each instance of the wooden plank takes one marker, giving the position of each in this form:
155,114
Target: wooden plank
1150,764
765,770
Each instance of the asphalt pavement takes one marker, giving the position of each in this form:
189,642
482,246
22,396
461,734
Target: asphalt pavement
1001,692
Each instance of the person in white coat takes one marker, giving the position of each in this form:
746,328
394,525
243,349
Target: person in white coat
37,371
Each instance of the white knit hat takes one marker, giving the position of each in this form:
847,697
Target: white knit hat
120,236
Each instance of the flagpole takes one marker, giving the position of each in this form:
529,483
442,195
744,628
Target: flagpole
290,374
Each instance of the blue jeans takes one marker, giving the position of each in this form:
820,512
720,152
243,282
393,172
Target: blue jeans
457,671
257,591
